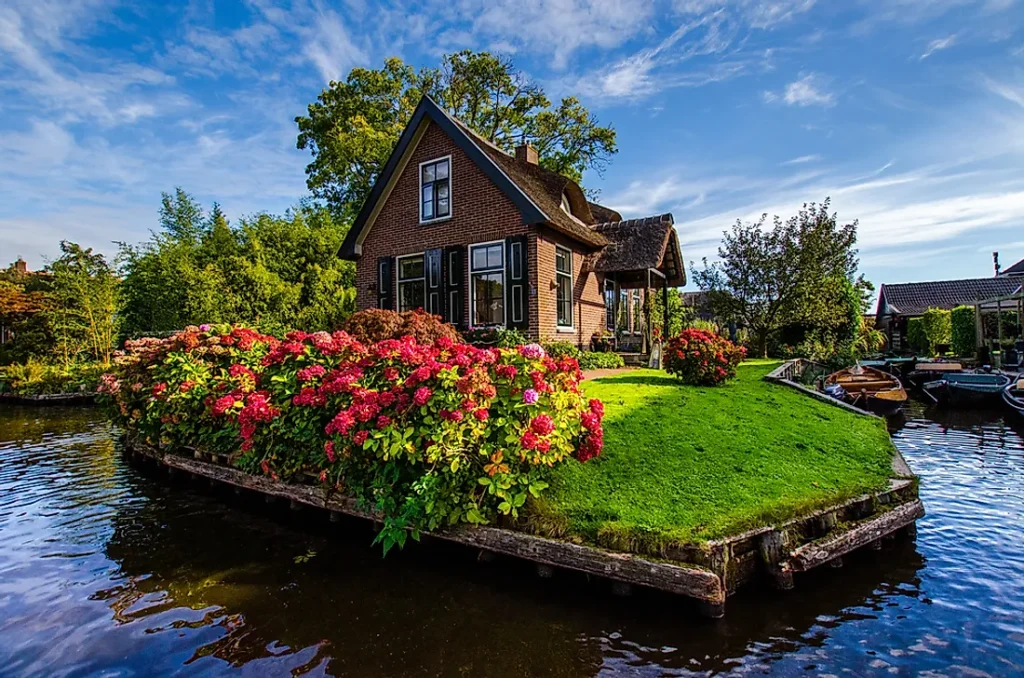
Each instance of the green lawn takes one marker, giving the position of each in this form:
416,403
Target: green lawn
684,464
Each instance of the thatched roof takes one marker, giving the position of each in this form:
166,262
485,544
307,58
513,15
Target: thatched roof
640,244
603,214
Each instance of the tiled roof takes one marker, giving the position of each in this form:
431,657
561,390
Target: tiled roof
1016,269
911,299
638,244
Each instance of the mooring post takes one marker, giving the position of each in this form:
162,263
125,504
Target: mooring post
197,455
772,548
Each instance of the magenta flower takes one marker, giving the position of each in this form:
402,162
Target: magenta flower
532,351
530,396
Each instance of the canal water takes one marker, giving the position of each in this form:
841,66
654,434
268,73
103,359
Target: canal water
110,569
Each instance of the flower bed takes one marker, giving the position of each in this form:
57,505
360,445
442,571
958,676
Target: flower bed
701,357
425,434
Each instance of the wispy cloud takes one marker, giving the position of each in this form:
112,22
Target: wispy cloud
936,45
802,160
1011,93
806,91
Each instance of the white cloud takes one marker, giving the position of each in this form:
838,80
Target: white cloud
1011,93
806,91
756,13
936,45
802,160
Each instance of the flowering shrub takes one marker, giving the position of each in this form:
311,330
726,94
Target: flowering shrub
501,337
375,324
702,357
427,435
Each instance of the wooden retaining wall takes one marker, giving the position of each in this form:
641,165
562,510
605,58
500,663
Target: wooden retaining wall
708,573
788,372
84,398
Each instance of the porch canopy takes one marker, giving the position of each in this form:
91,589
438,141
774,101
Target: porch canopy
642,253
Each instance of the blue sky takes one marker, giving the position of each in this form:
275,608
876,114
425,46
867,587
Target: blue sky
908,113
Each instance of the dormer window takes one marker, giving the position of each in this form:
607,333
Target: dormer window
565,204
435,190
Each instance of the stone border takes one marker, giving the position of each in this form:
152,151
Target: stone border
84,398
783,374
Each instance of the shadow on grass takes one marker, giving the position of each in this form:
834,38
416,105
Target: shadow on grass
644,379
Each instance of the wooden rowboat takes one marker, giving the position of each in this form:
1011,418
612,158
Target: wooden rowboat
1013,394
867,388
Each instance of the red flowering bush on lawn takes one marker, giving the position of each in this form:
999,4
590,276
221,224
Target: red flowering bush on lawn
426,434
375,324
702,357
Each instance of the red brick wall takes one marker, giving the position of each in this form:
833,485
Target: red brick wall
480,212
588,302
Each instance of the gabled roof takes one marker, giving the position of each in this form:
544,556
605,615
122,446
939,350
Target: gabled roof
1016,269
913,299
535,191
639,244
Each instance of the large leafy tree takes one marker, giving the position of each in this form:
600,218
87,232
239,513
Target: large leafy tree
771,274
83,289
273,271
353,125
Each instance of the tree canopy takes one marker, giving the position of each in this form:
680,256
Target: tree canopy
779,273
353,125
269,271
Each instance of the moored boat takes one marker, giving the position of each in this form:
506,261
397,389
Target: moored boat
925,372
868,388
1013,394
967,388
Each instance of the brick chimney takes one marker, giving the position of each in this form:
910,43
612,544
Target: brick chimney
20,266
526,153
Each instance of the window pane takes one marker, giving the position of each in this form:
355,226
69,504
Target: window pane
564,301
442,207
410,268
494,257
428,173
428,210
410,295
442,169
489,297
479,258
562,260
428,192
442,190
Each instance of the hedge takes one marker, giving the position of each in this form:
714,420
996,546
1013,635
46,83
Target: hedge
962,331
427,435
916,337
937,327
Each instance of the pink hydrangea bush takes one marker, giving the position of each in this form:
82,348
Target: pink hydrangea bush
427,435
701,357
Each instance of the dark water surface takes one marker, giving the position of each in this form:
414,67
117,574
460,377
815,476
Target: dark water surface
111,569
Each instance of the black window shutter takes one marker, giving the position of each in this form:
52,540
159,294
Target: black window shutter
385,283
453,268
517,288
434,288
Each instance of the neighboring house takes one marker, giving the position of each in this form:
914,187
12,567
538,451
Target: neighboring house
458,227
898,303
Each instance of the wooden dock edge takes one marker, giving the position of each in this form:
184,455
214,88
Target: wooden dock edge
783,375
708,573
49,399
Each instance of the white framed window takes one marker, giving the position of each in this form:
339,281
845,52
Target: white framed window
412,282
638,311
487,283
563,284
565,204
435,189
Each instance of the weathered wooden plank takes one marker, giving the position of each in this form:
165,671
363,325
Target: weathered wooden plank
688,581
831,547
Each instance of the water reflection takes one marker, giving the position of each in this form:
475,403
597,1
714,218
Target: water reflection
108,567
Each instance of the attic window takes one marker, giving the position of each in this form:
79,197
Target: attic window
565,204
435,190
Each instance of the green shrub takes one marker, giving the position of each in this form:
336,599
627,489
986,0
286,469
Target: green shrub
376,324
425,435
916,337
562,349
700,324
498,337
962,331
600,360
36,378
937,327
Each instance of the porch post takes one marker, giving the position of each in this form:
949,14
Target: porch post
664,303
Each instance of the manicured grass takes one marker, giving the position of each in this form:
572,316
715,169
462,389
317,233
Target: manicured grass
685,464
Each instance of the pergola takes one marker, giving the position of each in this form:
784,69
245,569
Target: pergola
1010,302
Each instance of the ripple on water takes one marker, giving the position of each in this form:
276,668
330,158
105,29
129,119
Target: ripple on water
107,568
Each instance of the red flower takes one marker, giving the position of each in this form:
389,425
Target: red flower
596,406
329,450
360,437
528,440
422,396
383,421
158,389
223,404
310,373
186,386
481,414
542,424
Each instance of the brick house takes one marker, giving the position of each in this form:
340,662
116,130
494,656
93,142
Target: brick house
462,229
